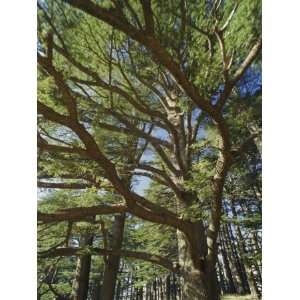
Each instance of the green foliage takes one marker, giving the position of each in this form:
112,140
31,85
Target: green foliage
118,122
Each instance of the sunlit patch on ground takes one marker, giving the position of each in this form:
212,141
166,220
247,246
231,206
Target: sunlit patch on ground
236,297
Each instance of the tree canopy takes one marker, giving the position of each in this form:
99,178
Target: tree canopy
149,111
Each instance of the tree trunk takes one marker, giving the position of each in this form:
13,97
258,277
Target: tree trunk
118,290
222,282
200,286
96,290
233,259
199,279
113,261
255,130
244,254
168,288
81,282
231,285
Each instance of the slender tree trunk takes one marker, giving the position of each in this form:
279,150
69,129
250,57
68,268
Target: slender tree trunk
231,285
131,287
255,130
81,282
244,254
113,261
96,289
233,260
242,278
147,292
128,286
118,290
222,282
168,288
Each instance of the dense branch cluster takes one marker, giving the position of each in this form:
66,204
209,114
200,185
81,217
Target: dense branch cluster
124,95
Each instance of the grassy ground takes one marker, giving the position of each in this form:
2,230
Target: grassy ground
236,297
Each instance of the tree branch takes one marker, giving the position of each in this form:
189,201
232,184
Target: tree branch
148,16
239,73
153,258
80,213
150,42
44,146
248,61
63,185
227,22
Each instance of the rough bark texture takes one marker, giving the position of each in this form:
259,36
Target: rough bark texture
197,249
112,263
199,280
81,282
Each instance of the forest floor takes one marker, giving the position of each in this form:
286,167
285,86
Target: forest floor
236,297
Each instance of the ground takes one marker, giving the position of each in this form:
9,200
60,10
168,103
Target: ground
236,297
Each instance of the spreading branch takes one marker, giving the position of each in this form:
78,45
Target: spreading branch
148,16
153,258
63,185
79,213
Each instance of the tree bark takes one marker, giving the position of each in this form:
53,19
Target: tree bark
113,261
168,288
81,282
244,254
199,279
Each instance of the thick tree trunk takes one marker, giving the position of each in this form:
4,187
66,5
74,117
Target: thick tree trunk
199,276
199,279
113,261
81,282
200,285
